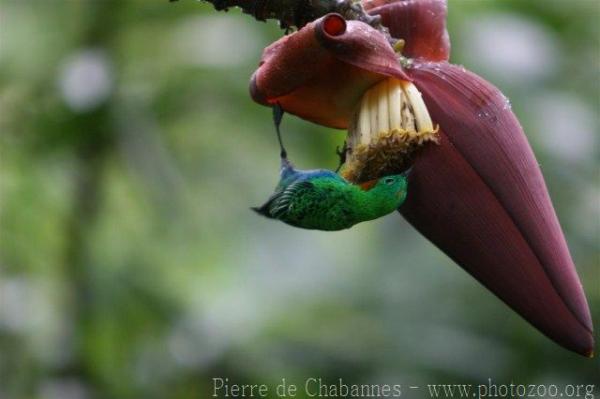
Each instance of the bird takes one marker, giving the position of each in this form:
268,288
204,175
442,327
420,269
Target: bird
321,199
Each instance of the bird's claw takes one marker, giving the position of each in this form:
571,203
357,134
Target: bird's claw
342,154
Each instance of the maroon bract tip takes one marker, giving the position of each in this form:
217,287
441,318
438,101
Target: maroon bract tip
481,125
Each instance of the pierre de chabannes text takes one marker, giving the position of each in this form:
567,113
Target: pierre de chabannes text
317,388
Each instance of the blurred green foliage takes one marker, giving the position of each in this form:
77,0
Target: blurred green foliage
131,266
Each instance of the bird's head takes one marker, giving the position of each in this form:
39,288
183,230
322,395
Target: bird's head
392,189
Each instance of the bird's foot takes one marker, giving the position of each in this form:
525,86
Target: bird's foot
341,153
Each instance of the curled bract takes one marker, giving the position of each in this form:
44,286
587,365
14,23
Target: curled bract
310,67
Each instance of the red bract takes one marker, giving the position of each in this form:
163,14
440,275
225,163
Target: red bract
478,194
498,221
310,68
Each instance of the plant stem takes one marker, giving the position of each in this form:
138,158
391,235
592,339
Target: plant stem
297,13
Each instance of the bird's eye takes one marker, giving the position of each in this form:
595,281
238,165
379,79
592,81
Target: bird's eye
389,180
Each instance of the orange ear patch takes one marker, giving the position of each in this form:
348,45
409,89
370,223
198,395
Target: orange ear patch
366,186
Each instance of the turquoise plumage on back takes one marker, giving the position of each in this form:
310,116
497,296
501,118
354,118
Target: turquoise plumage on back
323,200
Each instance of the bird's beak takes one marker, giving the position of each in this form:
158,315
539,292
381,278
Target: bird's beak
406,173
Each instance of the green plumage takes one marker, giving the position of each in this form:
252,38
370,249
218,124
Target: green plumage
323,200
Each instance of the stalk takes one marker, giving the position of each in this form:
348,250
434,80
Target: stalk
294,14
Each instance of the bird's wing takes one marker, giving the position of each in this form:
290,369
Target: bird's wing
280,202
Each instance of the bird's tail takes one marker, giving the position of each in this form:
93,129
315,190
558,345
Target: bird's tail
264,209
261,211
